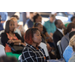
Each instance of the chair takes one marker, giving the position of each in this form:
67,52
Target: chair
59,48
2,50
43,45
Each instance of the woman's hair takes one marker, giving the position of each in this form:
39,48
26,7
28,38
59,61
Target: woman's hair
72,18
69,28
13,18
7,29
72,42
7,59
29,34
36,24
35,17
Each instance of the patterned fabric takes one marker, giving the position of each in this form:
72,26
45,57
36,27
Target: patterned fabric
7,48
31,54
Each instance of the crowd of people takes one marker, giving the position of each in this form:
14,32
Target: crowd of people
26,46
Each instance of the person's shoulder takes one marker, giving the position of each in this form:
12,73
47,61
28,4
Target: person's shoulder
3,33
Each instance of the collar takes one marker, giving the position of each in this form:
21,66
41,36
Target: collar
61,30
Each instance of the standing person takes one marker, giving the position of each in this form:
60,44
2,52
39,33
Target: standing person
29,22
4,16
58,34
50,26
32,52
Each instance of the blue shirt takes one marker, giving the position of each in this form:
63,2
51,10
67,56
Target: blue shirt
50,27
29,23
68,53
4,16
69,18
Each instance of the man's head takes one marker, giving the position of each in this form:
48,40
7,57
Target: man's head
59,24
52,18
31,14
73,19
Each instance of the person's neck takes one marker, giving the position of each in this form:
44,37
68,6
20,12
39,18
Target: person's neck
31,18
10,32
34,45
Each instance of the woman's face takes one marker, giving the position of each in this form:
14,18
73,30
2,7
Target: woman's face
15,23
39,19
11,26
40,28
37,37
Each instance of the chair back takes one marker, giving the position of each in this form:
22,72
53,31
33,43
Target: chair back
2,50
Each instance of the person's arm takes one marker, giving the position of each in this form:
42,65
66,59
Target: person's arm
49,38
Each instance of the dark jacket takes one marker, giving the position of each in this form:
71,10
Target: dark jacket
56,37
4,38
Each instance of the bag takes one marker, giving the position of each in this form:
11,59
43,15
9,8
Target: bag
17,49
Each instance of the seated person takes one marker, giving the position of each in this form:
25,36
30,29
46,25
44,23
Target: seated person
72,44
58,34
7,59
65,38
50,26
8,36
32,52
38,19
18,28
40,28
68,53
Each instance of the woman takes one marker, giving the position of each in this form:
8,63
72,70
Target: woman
72,44
70,28
10,37
18,28
40,28
37,18
32,52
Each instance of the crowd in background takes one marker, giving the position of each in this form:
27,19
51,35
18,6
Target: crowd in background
39,43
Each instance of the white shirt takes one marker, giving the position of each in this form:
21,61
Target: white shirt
61,30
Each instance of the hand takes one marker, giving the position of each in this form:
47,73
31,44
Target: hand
51,34
10,41
2,21
24,44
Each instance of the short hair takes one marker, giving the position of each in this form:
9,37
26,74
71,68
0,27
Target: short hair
69,28
8,59
31,12
28,37
15,16
53,16
7,26
35,17
56,21
72,42
72,18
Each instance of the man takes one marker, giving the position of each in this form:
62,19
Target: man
29,22
3,18
50,26
73,19
58,34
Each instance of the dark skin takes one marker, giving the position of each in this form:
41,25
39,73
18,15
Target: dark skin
60,25
11,33
39,19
